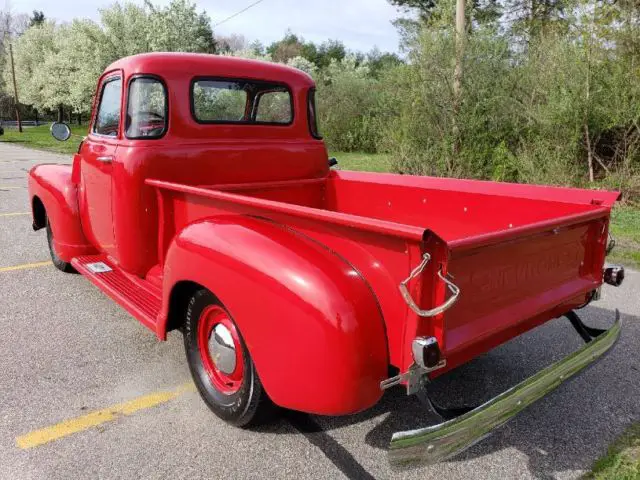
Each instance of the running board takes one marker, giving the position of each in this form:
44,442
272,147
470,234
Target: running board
135,295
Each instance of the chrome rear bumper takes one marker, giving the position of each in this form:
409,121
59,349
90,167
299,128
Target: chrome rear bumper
438,442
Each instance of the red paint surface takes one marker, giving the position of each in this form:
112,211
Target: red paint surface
51,185
308,260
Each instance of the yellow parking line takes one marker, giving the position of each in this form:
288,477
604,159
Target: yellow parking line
14,214
10,187
24,266
79,424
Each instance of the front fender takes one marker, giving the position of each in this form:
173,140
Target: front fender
310,321
52,185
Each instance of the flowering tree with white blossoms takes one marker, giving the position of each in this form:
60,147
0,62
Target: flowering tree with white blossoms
31,52
179,28
303,64
59,64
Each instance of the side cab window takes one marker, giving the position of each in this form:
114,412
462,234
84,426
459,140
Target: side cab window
147,108
107,121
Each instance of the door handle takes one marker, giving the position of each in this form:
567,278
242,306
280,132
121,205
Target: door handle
105,159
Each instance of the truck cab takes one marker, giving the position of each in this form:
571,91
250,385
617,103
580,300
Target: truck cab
236,121
202,200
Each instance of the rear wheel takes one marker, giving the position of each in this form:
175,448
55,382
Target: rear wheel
221,365
59,263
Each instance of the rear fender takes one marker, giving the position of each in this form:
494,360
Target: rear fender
310,321
50,186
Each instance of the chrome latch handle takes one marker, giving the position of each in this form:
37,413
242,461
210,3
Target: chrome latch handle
404,291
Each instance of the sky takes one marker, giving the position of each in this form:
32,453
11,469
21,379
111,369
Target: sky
360,24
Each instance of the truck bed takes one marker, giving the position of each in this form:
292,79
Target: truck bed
520,254
458,211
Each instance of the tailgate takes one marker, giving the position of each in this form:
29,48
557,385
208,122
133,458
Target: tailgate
512,281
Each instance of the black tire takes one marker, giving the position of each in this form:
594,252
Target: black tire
59,264
249,405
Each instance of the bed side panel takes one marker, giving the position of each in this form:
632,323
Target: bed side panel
310,321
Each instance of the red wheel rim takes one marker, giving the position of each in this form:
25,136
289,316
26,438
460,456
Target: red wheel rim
220,349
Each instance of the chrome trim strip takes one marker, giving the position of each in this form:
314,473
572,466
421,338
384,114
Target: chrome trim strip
438,442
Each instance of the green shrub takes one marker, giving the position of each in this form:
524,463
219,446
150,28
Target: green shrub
347,106
535,116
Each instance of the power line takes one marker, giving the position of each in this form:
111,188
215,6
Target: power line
238,13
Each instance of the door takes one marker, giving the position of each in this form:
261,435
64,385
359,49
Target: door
98,154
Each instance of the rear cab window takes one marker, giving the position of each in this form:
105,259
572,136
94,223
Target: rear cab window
241,102
147,108
107,121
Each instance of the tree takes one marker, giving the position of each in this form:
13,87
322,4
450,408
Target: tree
12,26
379,61
231,43
289,47
124,30
423,7
529,19
301,63
329,51
58,65
31,51
347,102
82,62
438,16
292,46
257,48
179,28
37,18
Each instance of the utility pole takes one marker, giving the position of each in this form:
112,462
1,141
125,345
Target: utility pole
15,88
457,74
460,37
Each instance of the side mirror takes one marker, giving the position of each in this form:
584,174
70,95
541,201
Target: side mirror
333,161
60,131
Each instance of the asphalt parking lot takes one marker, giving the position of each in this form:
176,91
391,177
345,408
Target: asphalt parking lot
88,392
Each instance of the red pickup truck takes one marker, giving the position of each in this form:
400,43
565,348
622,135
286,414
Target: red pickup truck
203,200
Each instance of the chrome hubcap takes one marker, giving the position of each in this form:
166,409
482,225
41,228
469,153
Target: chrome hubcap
222,349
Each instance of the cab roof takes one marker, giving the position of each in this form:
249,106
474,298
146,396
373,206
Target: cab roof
199,64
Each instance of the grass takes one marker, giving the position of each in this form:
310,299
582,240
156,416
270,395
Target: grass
369,162
40,138
625,227
622,460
